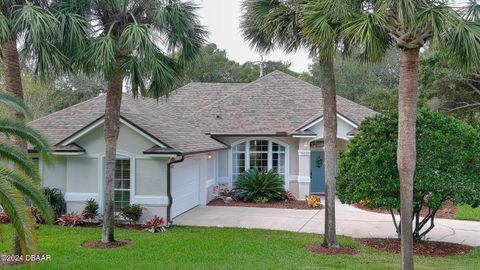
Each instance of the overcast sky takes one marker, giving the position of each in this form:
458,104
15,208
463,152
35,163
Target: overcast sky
222,17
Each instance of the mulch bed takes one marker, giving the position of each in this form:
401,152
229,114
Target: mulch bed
127,226
100,245
330,251
288,204
425,249
447,211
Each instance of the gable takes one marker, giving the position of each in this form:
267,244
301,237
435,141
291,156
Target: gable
129,140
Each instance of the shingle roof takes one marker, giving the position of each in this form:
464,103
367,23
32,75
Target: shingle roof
274,104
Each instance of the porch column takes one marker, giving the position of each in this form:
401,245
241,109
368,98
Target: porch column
303,168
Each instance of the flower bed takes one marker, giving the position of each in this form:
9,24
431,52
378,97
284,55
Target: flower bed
287,204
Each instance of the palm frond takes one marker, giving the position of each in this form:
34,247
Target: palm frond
463,44
370,32
19,215
15,103
5,28
11,127
472,11
19,159
256,25
40,29
31,191
184,35
100,55
436,19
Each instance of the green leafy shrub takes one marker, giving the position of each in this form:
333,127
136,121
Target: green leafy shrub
56,200
257,185
91,209
448,166
131,212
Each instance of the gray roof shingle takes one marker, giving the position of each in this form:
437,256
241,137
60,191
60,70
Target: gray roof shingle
274,104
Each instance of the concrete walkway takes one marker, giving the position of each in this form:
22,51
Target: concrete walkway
351,221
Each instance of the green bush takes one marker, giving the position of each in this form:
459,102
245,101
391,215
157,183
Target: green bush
56,200
91,209
447,168
131,212
258,185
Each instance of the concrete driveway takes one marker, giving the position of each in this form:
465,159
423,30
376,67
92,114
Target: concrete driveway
351,221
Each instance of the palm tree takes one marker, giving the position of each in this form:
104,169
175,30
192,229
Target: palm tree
23,182
316,26
29,23
411,25
147,42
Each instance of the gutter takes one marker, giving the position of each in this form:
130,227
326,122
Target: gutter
169,190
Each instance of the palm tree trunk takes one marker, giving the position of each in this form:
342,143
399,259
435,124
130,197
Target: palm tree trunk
406,148
111,130
327,77
13,85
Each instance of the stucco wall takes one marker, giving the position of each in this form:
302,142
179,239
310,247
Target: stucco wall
55,175
78,176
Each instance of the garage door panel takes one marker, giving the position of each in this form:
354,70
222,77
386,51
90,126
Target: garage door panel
185,184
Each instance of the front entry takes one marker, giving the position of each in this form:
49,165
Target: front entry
317,183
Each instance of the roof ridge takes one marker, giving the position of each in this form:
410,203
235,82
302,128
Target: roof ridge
239,90
64,109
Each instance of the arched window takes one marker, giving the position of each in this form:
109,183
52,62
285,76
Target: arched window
261,154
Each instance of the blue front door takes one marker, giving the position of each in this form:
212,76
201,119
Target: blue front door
317,184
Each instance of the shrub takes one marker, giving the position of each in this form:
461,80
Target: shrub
36,215
91,209
71,219
56,200
3,217
261,200
155,224
131,212
447,168
254,184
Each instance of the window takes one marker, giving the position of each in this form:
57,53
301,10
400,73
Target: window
260,154
122,183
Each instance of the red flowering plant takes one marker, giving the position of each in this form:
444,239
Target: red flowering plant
3,218
71,219
155,224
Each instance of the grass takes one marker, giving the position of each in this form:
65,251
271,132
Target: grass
466,212
215,248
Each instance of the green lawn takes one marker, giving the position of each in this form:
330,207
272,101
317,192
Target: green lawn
215,248
466,212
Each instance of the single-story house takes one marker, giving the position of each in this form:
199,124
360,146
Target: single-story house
173,152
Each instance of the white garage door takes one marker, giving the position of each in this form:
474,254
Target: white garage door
185,186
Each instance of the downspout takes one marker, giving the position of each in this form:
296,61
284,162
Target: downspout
169,190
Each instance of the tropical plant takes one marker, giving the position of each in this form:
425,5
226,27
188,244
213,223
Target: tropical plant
313,201
3,217
91,209
316,26
122,40
410,25
155,224
255,185
56,200
23,182
448,166
132,212
71,219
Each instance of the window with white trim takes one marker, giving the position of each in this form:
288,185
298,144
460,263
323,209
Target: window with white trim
122,187
260,154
